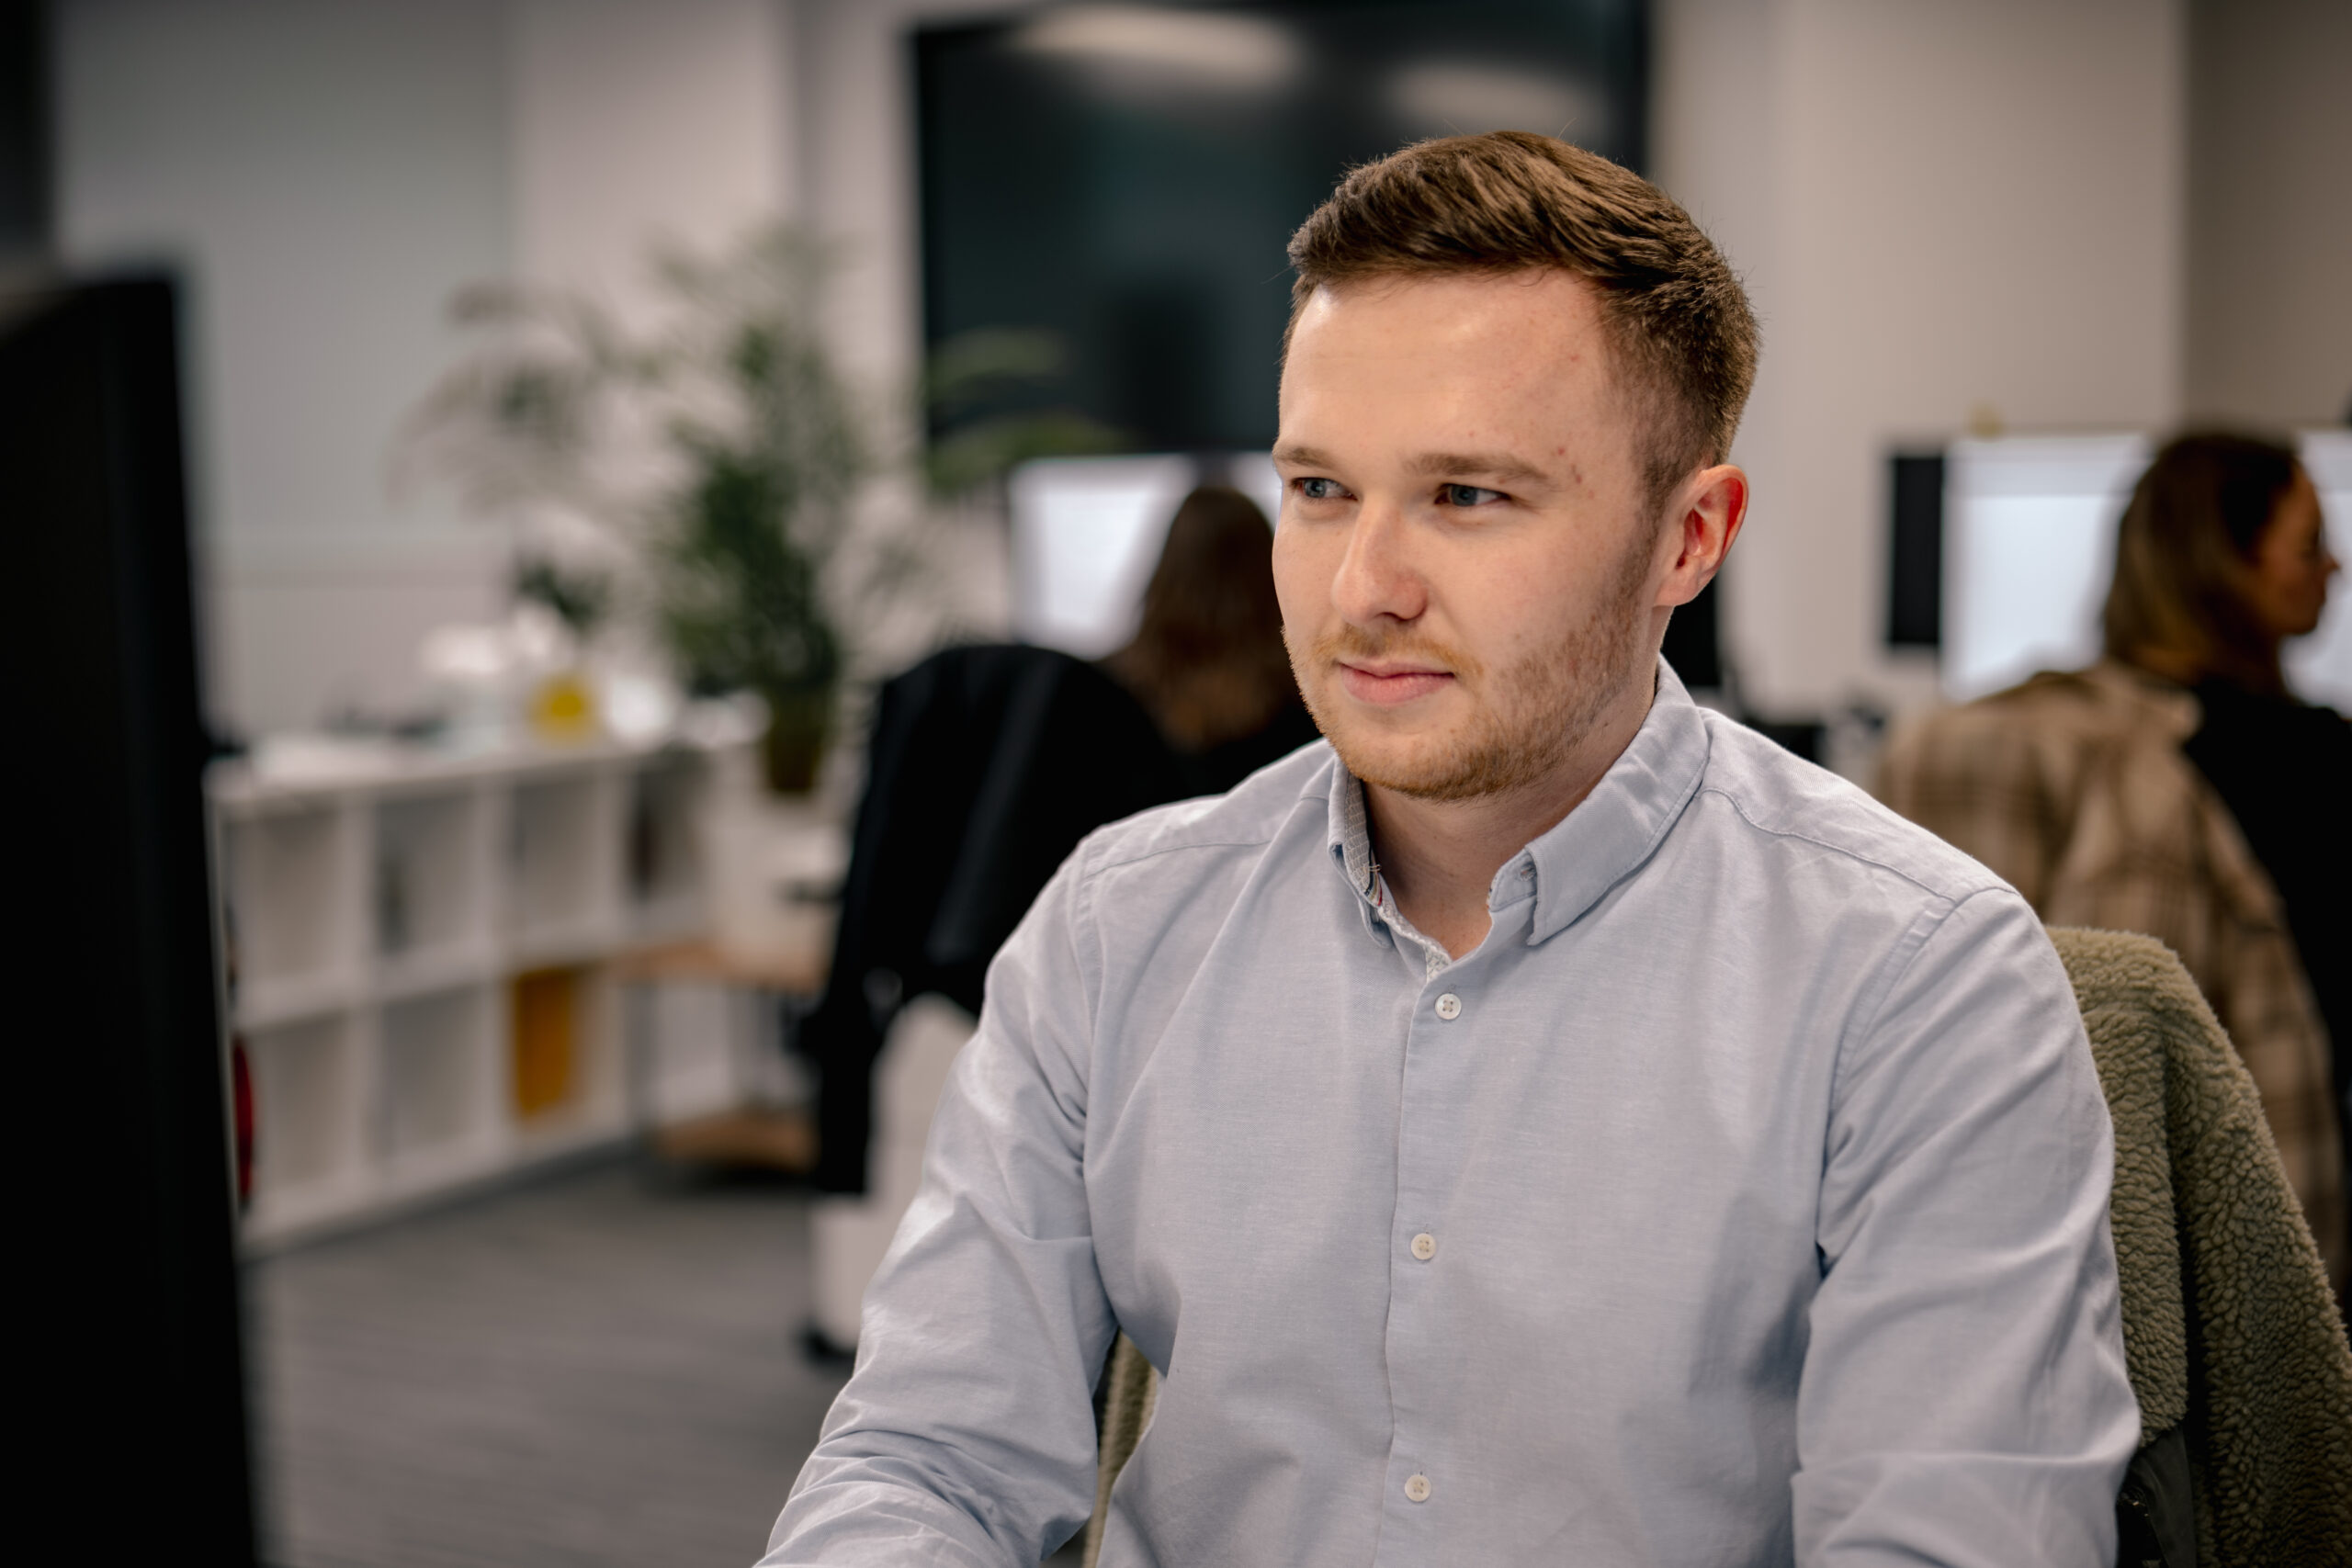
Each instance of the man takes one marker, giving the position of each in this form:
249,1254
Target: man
1547,1124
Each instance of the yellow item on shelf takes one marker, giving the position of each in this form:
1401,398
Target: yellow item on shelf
546,1016
563,707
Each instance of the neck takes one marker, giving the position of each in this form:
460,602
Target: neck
2167,664
1439,857
2260,672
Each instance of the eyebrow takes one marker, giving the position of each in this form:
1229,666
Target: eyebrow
1485,465
1498,466
1304,457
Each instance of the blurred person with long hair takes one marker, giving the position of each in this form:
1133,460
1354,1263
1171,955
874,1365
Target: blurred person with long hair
2177,787
987,765
1207,662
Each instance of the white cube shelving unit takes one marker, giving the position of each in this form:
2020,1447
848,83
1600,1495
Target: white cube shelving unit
420,944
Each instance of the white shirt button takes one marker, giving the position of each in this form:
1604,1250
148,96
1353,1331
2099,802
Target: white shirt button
1425,1246
1416,1487
1449,1007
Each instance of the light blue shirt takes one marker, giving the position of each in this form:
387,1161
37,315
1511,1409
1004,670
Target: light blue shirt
1740,1199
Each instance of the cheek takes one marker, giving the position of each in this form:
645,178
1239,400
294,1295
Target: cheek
1513,600
1302,579
2288,579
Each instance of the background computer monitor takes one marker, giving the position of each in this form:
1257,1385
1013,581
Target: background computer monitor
1127,176
2029,545
1086,533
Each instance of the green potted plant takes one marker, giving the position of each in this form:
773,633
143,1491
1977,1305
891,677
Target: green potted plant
773,455
721,451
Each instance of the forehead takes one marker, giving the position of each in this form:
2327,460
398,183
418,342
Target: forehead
2298,506
1516,348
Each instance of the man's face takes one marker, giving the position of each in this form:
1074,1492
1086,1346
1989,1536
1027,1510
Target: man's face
1467,562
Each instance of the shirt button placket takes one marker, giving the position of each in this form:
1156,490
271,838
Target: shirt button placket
1410,1300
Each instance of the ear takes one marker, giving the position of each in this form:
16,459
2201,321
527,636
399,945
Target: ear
1707,510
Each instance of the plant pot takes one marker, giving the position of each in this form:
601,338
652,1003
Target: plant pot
799,723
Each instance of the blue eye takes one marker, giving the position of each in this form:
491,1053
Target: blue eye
1319,489
1468,495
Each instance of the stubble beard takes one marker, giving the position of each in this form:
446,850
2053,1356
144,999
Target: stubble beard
1535,715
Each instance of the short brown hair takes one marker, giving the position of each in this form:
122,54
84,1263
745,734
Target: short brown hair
2184,552
1511,200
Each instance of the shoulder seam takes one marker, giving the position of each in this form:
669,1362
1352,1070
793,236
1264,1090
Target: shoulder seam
1139,856
1272,830
1093,866
1922,932
1898,964
1847,851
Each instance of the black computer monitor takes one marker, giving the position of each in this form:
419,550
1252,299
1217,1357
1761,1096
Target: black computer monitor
1125,178
122,1269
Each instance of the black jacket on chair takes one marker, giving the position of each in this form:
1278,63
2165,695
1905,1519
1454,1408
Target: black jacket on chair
987,766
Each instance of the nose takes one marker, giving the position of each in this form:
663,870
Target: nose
1376,579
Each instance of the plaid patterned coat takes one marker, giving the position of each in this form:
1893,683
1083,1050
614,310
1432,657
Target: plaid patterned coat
2073,789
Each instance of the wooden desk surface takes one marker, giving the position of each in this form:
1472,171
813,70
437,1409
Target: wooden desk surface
794,972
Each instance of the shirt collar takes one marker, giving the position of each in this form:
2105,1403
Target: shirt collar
2149,699
1350,833
1611,832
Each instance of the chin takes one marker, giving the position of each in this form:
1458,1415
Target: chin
1379,755
1383,762
1429,767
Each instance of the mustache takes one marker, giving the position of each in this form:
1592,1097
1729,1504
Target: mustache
1358,643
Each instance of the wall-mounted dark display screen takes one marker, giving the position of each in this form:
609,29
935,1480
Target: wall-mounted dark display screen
1124,178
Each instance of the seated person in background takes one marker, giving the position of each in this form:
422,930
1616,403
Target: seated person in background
2176,788
1207,662
985,765
1549,1123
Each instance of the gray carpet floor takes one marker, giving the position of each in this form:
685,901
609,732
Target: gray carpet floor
589,1370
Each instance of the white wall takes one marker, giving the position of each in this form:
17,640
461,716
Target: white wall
1944,214
637,123
324,174
2270,230
327,175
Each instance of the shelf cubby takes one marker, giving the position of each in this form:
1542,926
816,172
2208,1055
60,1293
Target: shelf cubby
665,870
440,1075
561,886
423,945
563,1063
431,880
311,1145
293,913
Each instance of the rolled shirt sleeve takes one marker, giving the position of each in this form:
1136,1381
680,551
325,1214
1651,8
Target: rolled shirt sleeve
1965,1400
967,1434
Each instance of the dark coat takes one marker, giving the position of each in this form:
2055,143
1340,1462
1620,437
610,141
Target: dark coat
987,765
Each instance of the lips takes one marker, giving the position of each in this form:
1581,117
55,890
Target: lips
1387,688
